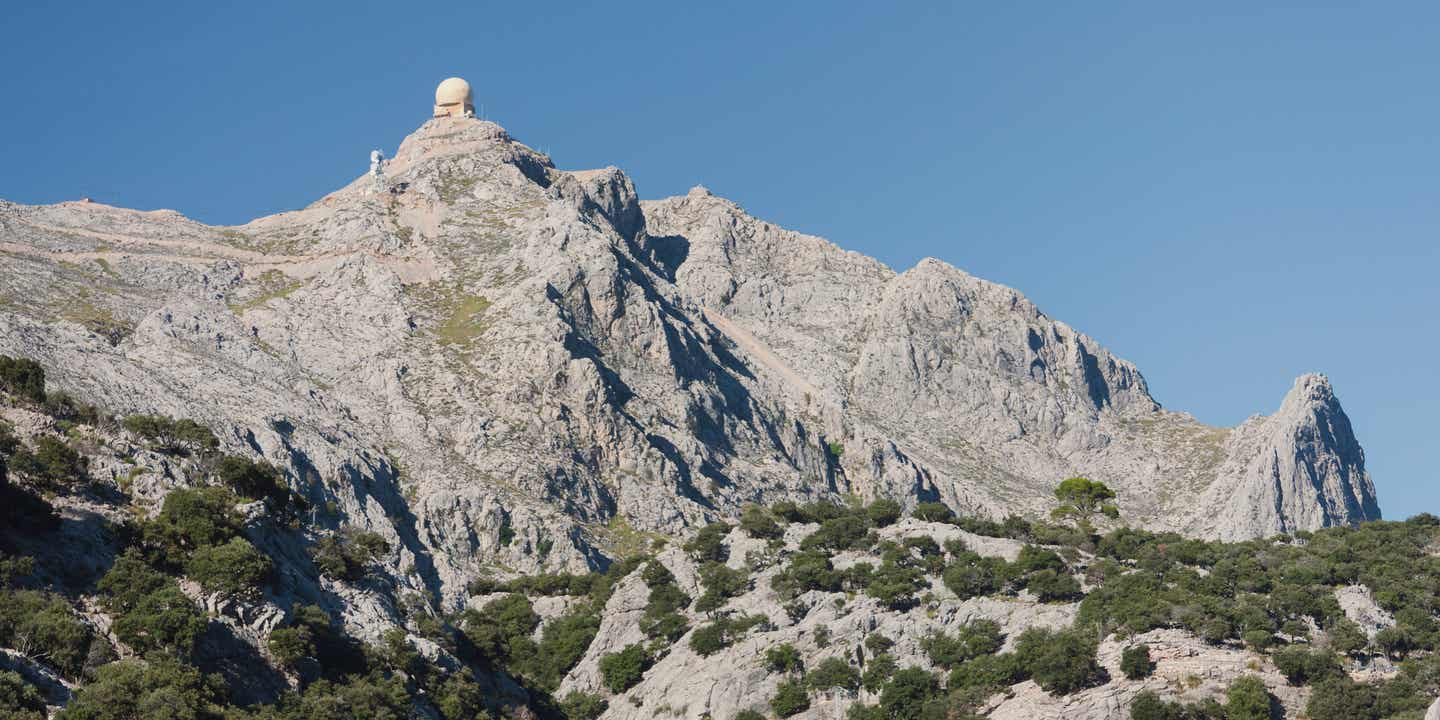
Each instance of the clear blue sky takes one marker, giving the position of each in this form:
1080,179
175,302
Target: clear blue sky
1228,196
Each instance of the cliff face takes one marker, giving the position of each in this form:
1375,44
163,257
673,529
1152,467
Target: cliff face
498,364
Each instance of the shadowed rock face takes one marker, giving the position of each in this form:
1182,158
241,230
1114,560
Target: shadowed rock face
502,364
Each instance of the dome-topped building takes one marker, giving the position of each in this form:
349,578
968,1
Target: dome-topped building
453,99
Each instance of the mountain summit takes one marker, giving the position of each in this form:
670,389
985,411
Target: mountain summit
496,363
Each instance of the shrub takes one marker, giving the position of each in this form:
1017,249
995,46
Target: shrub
971,640
622,670
933,512
1033,559
878,671
1050,586
878,643
1148,706
41,626
1346,637
290,645
460,698
783,658
1059,662
757,522
883,512
907,693
52,461
748,714
833,673
22,377
708,545
148,689
790,699
233,569
578,705
168,435
988,671
807,570
562,644
720,583
847,532
1247,699
19,700
971,575
151,611
254,480
1135,662
189,519
895,586
1301,666
710,639
348,554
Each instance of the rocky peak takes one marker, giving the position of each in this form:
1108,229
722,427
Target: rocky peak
503,364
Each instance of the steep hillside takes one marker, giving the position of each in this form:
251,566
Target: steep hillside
482,367
504,348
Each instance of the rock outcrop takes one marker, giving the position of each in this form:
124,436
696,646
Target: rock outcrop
502,366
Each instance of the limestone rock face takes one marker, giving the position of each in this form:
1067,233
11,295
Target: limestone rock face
501,366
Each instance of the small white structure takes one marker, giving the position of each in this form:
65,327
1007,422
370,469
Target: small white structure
377,170
453,99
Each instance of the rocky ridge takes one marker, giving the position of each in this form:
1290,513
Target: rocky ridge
502,367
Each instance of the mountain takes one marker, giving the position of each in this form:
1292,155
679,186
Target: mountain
499,348
494,368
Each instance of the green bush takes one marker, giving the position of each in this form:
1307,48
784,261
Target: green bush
971,575
151,613
290,645
234,569
1060,662
883,512
908,693
22,377
578,705
757,522
662,618
748,714
349,554
878,671
933,512
562,644
833,673
1135,662
895,586
19,700
1033,559
622,670
847,532
373,696
1082,499
1301,666
52,460
168,435
790,699
1050,586
253,480
722,633
708,545
460,698
1247,699
996,671
720,583
146,690
189,519
971,640
42,626
783,658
